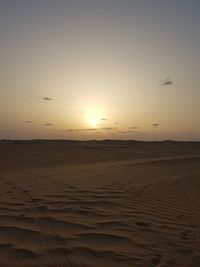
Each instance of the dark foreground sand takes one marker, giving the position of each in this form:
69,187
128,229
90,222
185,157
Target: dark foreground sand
99,204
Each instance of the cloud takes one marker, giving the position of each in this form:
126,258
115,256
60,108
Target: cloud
88,129
29,121
67,130
155,125
47,98
48,124
130,133
107,128
73,130
79,130
166,82
104,119
116,123
134,127
136,132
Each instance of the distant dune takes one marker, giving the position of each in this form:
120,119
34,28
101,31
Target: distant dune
99,203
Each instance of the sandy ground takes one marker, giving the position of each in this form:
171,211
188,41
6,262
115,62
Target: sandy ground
94,204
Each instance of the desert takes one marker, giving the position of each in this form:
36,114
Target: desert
99,203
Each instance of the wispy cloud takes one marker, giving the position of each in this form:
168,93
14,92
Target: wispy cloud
134,132
107,128
134,127
131,133
68,130
47,98
73,130
91,129
29,121
155,125
79,130
48,124
104,119
166,82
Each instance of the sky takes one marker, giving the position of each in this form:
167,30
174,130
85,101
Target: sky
91,69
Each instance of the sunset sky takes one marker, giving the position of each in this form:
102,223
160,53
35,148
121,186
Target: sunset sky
96,69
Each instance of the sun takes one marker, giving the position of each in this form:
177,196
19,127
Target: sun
93,116
93,121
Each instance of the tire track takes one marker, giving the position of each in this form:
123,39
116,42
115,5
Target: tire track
46,229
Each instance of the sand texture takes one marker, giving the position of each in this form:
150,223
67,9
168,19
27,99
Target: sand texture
99,204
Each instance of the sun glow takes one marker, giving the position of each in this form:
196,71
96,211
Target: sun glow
93,116
93,121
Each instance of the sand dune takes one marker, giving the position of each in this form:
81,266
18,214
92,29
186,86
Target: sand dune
139,209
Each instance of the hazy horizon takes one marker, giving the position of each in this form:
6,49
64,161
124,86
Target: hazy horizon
107,69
